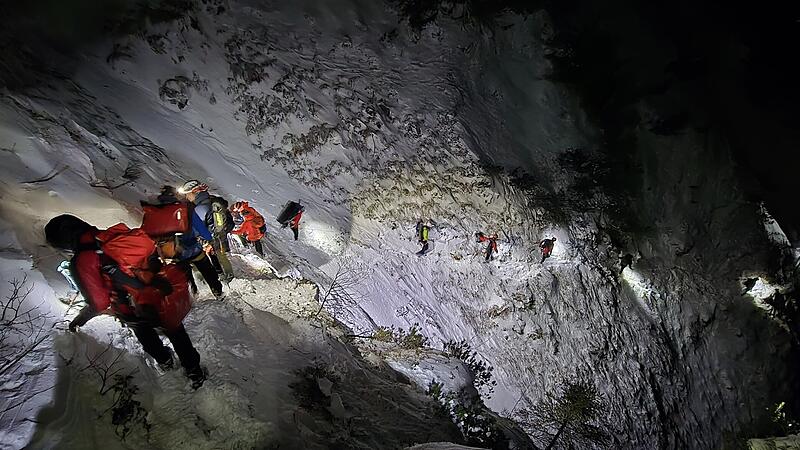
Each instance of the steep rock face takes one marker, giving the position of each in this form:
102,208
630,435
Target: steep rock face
374,125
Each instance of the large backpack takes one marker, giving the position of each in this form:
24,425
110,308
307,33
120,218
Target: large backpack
130,249
290,209
223,219
166,219
170,225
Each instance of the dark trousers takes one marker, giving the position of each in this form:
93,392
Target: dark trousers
489,250
259,247
424,247
151,343
187,269
296,231
209,273
215,263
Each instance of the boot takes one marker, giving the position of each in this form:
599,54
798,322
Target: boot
197,376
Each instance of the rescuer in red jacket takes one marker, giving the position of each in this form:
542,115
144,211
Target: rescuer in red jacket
491,248
252,226
294,224
134,295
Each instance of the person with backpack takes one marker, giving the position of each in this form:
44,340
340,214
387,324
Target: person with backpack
290,216
214,212
491,248
423,229
252,226
118,273
547,247
294,224
187,247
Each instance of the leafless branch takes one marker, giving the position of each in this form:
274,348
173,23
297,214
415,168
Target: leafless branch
132,173
22,331
21,326
105,368
342,291
52,174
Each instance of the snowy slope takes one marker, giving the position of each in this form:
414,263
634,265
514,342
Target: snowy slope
275,378
373,125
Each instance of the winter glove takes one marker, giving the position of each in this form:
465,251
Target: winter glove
83,316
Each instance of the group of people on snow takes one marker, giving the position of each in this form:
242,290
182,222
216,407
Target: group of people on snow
143,276
423,231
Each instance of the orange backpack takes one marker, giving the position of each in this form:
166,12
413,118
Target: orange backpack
129,248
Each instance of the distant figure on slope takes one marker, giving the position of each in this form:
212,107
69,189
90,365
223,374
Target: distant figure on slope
290,216
294,224
118,273
182,245
252,226
547,247
214,212
423,229
491,248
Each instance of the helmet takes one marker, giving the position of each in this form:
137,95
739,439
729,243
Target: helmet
239,206
65,231
554,238
192,186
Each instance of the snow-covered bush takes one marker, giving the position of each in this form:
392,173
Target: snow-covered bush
410,340
383,334
481,371
471,416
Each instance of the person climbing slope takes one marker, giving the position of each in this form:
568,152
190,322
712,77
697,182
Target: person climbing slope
252,226
290,216
188,244
547,247
423,230
118,273
214,212
491,248
294,224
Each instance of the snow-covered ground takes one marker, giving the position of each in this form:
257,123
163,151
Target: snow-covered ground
275,378
372,125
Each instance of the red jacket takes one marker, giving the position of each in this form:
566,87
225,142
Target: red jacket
100,292
253,226
492,240
295,222
95,286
